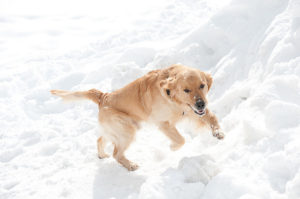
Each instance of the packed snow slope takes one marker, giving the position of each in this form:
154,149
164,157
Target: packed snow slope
252,48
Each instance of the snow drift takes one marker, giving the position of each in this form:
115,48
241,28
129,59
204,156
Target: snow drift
48,149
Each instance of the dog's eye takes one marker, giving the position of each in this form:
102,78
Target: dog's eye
187,90
202,86
168,92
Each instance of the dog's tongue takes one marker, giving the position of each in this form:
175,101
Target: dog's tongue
200,111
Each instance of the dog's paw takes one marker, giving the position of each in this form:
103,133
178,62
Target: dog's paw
219,134
103,156
132,166
176,146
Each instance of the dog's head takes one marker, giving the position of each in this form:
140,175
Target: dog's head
188,88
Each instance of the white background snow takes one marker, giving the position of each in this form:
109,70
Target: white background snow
252,48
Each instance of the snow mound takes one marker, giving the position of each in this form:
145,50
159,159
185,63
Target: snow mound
48,148
198,169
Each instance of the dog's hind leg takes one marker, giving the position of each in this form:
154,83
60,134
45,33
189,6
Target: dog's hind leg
101,142
120,147
120,129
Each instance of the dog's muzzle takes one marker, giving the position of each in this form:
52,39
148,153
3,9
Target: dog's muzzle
199,107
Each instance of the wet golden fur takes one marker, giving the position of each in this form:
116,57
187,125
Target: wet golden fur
157,97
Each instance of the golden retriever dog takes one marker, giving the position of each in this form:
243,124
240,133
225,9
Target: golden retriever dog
162,97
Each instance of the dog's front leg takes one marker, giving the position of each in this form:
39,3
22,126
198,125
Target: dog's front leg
213,123
171,132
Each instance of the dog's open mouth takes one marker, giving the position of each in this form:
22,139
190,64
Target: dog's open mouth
198,112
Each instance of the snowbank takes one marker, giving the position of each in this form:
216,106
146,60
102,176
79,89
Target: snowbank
48,148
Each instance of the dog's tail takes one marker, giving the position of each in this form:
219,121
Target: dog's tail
93,94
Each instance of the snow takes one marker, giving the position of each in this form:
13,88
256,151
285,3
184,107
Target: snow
48,148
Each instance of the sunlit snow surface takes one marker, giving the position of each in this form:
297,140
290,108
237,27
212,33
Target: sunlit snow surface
252,49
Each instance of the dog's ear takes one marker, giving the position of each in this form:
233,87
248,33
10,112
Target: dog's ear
209,80
168,86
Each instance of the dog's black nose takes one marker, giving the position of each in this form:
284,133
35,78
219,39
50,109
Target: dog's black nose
200,104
